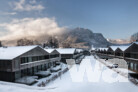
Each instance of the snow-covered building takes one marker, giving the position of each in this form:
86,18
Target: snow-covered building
53,53
132,51
111,50
131,56
20,61
120,50
128,52
67,53
102,50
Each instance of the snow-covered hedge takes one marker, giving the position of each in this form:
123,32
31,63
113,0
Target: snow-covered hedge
43,73
27,80
55,69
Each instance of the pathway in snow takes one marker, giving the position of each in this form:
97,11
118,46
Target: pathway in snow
65,83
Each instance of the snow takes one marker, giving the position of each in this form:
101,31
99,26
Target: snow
27,80
53,74
49,50
55,69
78,60
123,48
114,47
66,50
10,53
65,84
79,50
135,43
102,49
43,73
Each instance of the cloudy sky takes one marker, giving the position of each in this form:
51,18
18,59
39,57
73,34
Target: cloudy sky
114,18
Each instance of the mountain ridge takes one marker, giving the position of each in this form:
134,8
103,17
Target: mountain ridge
77,37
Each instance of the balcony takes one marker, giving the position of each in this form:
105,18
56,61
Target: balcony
37,63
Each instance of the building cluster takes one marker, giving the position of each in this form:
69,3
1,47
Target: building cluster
17,62
127,52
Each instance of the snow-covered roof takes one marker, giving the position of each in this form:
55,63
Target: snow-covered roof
93,48
135,43
79,50
66,50
114,47
103,49
123,48
49,50
9,53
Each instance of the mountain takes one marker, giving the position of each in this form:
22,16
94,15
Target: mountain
119,41
87,37
78,38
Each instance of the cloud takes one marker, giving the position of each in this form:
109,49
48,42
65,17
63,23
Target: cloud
30,27
9,13
30,6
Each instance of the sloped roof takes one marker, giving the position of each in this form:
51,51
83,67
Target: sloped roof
114,47
135,43
123,48
79,50
103,49
66,50
49,50
9,53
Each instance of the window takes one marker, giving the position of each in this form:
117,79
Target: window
22,60
46,57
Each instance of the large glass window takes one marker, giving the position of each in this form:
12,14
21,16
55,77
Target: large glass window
30,59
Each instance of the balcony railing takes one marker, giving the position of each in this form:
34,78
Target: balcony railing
37,63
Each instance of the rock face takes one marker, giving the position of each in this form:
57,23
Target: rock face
87,37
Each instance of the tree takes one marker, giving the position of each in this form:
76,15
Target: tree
44,45
0,44
66,45
25,42
55,43
134,37
52,42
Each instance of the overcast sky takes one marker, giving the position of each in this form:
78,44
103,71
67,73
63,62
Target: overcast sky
113,18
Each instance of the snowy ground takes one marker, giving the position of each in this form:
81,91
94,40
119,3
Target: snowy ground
65,83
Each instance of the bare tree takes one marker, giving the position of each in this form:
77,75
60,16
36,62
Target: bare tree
25,42
66,45
134,37
52,42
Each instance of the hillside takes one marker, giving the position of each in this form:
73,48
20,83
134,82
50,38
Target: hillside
86,36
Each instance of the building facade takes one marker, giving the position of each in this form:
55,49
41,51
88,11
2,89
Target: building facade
23,61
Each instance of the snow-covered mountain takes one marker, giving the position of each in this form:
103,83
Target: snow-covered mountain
119,41
78,38
86,36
